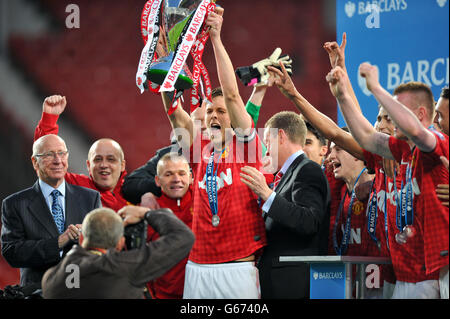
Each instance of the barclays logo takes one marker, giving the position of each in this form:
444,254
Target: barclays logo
331,275
350,9
441,3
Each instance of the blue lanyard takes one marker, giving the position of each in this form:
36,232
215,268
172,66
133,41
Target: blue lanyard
211,183
346,236
372,214
404,213
385,209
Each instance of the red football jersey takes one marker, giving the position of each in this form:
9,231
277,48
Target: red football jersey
111,199
241,231
430,216
171,284
357,241
384,205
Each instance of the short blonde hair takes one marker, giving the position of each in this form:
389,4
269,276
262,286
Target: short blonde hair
291,123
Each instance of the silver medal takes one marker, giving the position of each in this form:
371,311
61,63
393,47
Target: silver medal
215,220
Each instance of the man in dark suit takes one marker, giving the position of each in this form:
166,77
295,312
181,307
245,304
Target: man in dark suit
42,222
296,211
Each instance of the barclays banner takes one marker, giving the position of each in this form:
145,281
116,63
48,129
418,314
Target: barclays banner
408,40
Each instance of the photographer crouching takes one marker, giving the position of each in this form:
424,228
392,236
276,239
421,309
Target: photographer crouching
100,269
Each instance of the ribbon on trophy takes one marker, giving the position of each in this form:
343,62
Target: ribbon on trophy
150,23
185,44
199,68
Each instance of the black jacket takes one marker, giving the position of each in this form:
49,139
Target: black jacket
296,225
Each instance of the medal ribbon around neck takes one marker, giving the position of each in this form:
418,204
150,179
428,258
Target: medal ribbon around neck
346,236
404,213
211,187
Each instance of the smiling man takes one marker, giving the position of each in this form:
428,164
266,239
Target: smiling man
174,178
105,163
41,221
227,222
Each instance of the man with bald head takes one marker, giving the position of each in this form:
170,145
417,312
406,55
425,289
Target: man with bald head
42,222
105,162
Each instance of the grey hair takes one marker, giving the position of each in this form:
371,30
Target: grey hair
37,145
102,228
173,157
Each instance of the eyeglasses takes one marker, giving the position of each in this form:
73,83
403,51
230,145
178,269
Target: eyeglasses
51,155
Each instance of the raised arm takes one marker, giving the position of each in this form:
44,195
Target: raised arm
52,107
181,122
361,129
225,71
402,116
336,53
326,126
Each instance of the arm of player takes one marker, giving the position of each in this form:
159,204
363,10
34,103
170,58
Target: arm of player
403,117
52,107
336,53
181,122
360,128
326,126
225,71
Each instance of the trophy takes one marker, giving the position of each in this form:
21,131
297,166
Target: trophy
172,30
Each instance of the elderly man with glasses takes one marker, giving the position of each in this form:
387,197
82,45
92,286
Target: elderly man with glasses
41,223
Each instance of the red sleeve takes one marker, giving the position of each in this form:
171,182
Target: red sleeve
398,147
78,179
372,161
441,148
47,125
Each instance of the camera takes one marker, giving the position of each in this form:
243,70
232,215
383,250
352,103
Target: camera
135,235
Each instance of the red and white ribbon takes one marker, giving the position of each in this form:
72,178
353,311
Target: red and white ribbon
150,34
185,47
199,70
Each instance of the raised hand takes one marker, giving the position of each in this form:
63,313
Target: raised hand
54,104
338,80
370,73
283,81
336,52
214,22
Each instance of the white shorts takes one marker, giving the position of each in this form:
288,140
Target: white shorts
443,282
428,289
239,280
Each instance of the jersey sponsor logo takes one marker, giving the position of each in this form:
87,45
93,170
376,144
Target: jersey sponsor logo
391,194
355,235
222,179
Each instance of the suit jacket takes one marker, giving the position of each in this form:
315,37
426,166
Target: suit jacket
29,235
120,274
296,225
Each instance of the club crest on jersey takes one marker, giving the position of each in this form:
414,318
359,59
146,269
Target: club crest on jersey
357,207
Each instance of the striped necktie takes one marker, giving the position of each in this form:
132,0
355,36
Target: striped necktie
57,211
277,179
